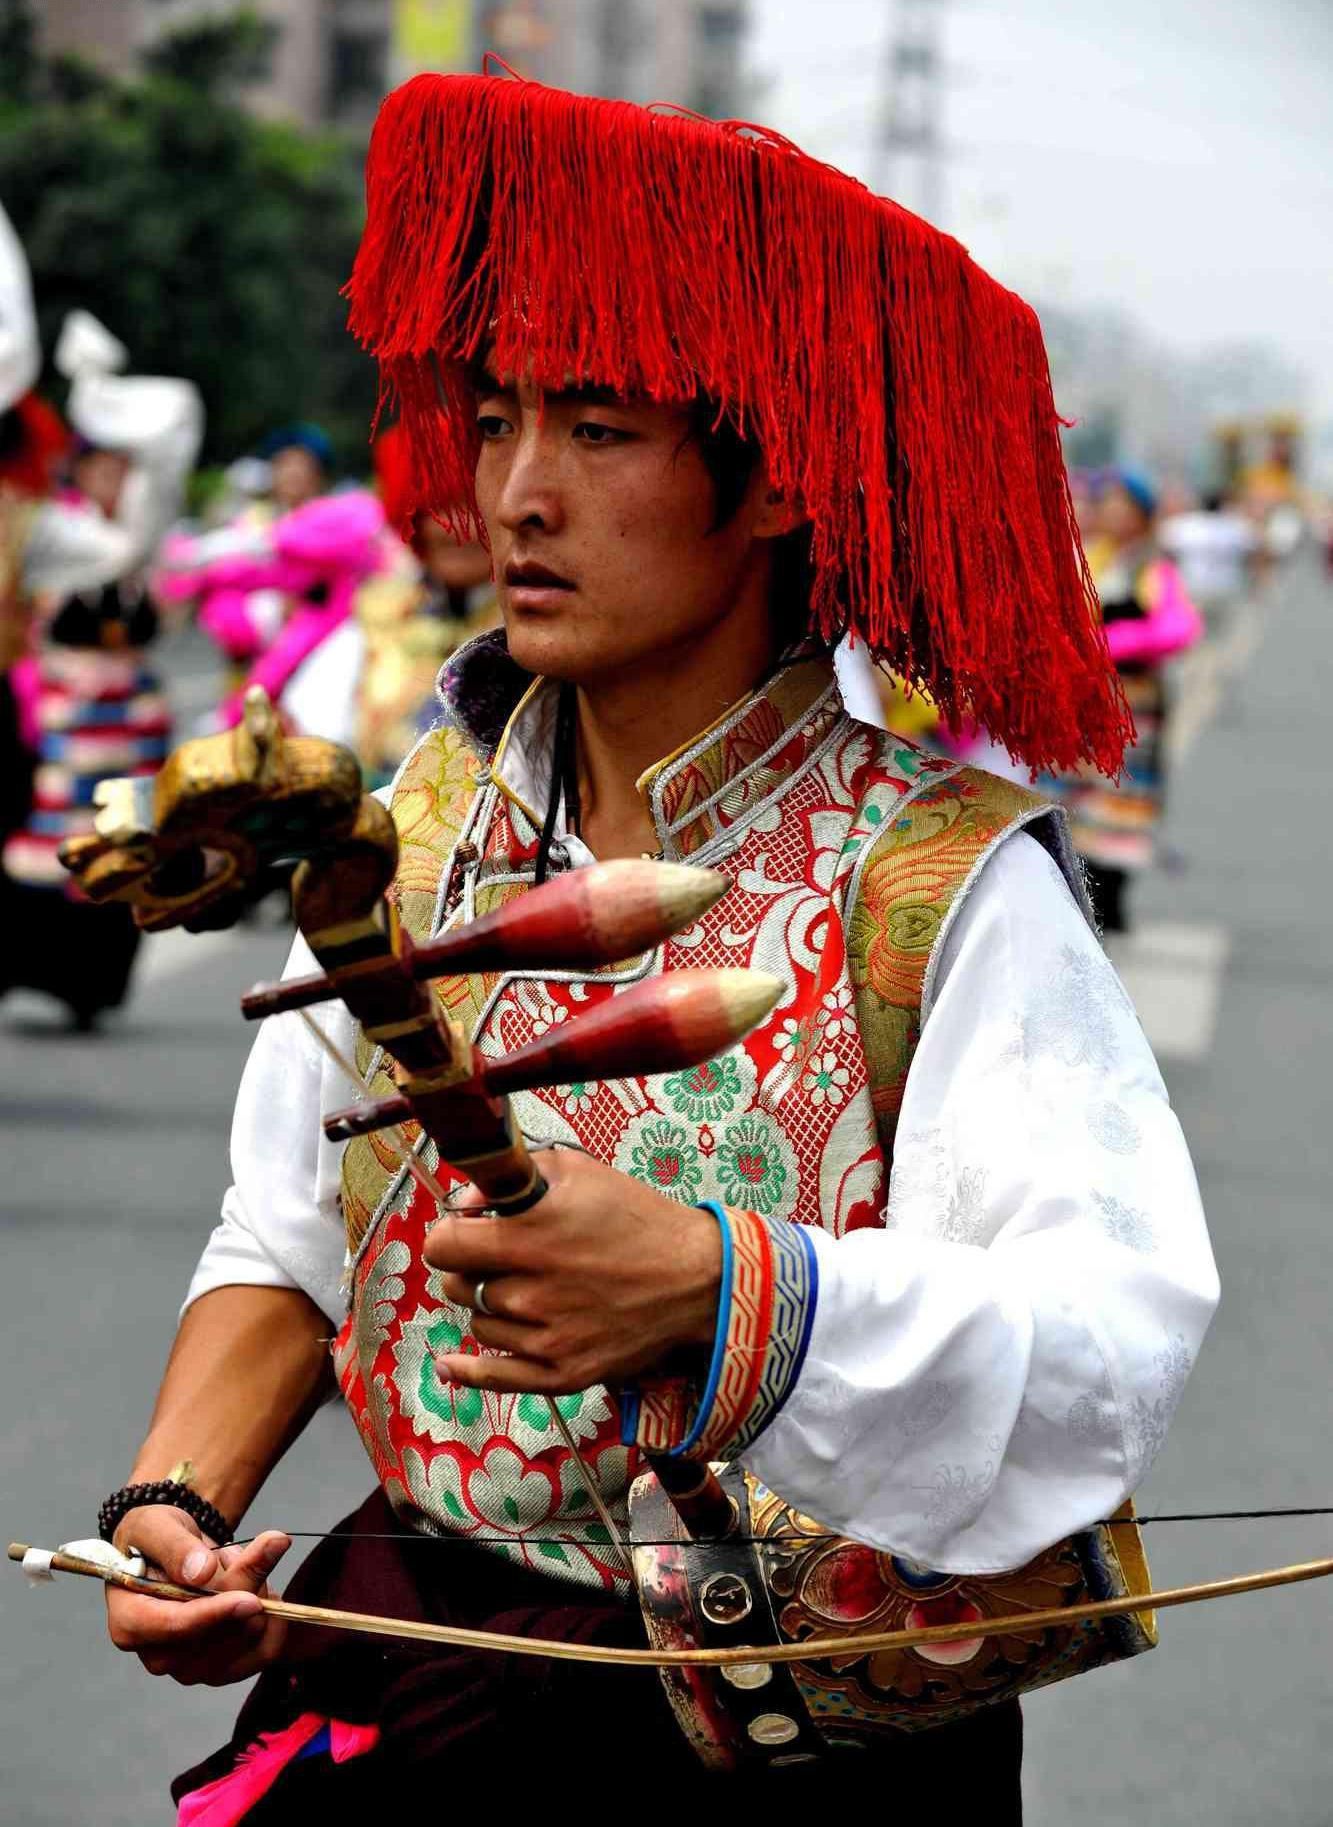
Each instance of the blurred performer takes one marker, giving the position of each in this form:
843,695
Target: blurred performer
609,330
300,461
316,557
294,467
1214,547
1149,617
91,705
371,683
1272,488
411,618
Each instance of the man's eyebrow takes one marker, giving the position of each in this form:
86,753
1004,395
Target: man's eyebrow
485,383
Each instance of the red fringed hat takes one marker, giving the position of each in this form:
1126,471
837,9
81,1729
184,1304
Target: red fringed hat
396,480
898,393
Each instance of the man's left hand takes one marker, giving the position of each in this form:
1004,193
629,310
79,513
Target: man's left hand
602,1280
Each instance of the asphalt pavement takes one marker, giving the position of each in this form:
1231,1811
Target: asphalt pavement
115,1156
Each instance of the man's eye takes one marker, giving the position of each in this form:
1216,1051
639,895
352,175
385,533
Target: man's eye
491,425
592,431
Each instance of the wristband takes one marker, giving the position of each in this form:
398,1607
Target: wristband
162,1491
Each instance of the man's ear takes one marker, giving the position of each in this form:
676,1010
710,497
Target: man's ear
776,514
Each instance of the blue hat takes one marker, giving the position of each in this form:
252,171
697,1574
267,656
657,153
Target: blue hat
1139,489
302,434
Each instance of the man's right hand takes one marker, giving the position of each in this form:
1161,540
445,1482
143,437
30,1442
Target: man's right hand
206,1641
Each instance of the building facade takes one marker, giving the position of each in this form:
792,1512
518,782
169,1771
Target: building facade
334,59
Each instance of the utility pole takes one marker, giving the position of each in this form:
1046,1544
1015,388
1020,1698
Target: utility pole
910,161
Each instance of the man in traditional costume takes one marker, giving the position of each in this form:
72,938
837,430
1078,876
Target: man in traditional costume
77,700
91,702
1150,618
925,1254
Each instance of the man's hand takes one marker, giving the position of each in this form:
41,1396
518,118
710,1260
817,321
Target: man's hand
600,1281
208,1641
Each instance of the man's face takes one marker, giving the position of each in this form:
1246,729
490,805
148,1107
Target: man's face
1120,516
601,514
447,564
295,477
100,475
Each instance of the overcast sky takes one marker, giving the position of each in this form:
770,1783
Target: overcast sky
1170,157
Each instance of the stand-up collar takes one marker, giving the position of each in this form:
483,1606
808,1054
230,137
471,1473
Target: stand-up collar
704,791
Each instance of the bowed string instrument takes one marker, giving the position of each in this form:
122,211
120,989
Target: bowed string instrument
192,847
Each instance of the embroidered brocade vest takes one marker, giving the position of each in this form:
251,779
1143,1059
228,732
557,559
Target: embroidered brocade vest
849,850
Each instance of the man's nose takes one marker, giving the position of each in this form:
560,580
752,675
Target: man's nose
530,495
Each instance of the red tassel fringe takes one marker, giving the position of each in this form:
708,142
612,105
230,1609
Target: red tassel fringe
898,392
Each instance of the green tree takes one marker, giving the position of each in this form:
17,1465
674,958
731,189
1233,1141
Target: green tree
213,244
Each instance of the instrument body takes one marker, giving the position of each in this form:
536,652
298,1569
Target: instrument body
782,1579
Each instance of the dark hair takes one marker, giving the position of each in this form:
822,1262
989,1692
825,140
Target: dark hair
731,459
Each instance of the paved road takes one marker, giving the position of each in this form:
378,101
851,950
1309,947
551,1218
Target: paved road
114,1154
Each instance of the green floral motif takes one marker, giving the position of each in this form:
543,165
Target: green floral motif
753,1165
439,1410
534,1413
707,1092
872,816
665,1157
451,1401
794,1039
574,1097
910,762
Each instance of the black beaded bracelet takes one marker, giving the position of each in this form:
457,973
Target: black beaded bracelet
165,1491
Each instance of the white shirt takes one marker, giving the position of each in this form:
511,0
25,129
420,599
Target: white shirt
1212,550
997,1367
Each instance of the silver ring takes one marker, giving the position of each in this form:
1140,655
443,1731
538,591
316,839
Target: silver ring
479,1301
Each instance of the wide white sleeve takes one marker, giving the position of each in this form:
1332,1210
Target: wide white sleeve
281,1223
998,1366
72,548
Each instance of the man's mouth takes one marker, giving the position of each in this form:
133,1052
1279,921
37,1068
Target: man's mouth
531,583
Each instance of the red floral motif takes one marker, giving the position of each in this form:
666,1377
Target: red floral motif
949,1608
751,1165
846,1586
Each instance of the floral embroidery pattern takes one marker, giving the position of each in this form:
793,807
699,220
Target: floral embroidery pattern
752,1165
1092,1417
1072,1015
665,1157
1114,1128
1147,1421
575,1097
826,1081
549,1015
956,1495
837,1014
926,1408
438,1409
707,1092
794,1039
1124,1224
965,1212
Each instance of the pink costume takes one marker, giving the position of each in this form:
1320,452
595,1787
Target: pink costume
330,545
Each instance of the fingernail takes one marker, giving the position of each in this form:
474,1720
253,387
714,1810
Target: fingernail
247,1606
195,1564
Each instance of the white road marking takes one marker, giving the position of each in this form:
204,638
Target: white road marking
1203,674
1173,972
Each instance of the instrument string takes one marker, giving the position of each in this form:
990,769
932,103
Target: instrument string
503,1541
